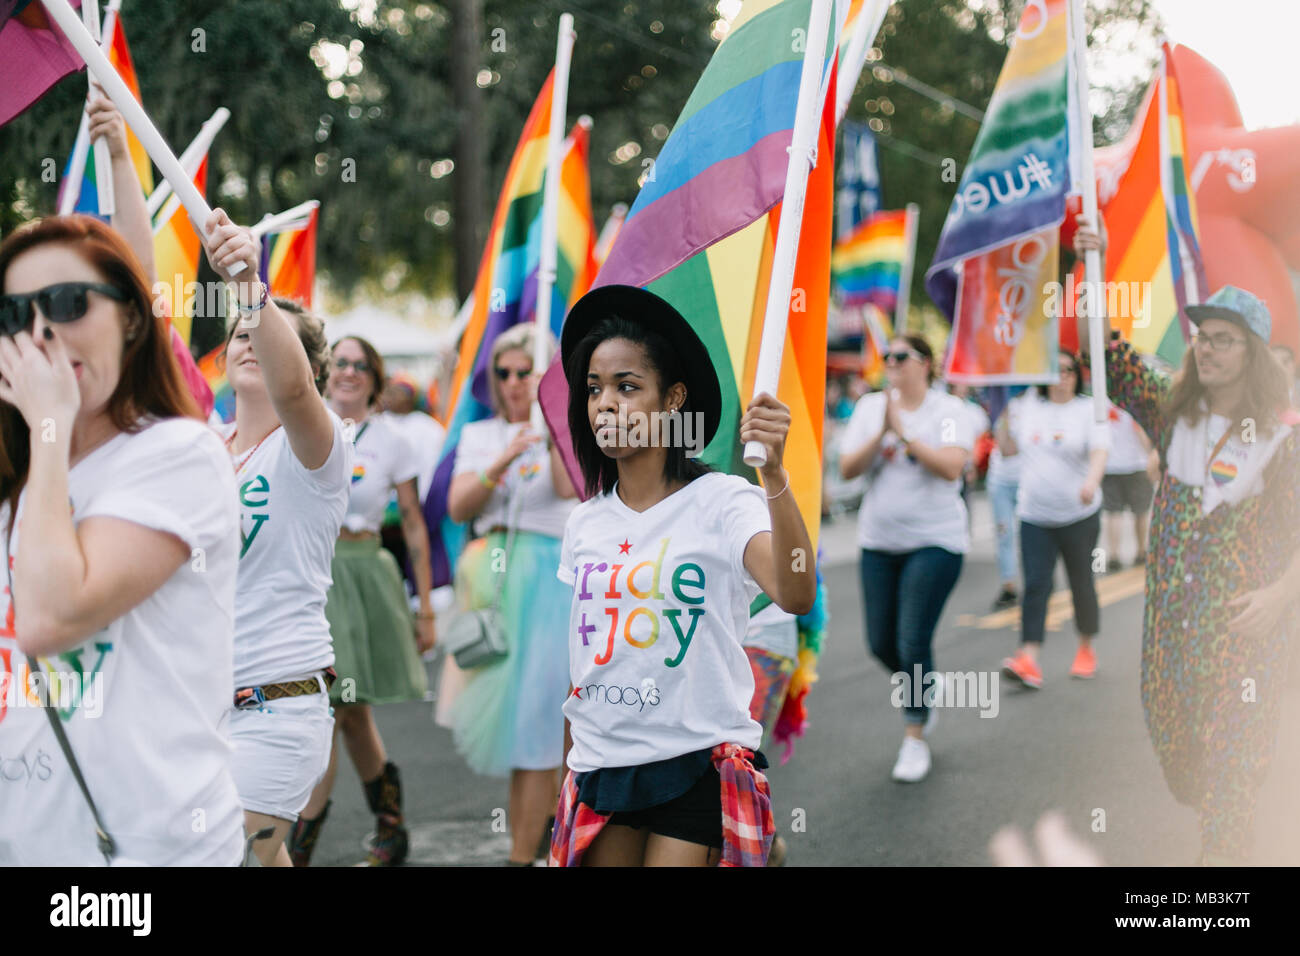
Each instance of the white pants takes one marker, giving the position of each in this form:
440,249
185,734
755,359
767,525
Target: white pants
281,751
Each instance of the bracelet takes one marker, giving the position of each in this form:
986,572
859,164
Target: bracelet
782,491
261,303
485,481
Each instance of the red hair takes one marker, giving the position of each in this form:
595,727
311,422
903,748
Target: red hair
150,382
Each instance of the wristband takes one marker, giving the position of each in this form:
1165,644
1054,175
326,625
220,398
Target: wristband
261,303
485,481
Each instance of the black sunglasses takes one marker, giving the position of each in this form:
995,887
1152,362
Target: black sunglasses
901,357
64,302
361,368
503,374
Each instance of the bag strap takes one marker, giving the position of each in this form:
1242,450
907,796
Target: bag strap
513,503
106,844
102,837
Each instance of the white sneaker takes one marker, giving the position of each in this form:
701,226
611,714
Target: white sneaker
913,761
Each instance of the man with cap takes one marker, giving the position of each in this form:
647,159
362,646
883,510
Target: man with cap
1223,567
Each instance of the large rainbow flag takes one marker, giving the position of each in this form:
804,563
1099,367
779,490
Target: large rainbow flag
867,265
505,292
289,259
119,54
1154,268
999,249
702,234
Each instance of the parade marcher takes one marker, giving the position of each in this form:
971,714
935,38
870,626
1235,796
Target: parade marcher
1003,485
1223,569
913,442
1063,456
426,436
1286,358
1127,485
375,640
508,717
115,496
292,463
664,560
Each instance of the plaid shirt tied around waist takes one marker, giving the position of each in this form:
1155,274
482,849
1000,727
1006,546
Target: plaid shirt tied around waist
747,824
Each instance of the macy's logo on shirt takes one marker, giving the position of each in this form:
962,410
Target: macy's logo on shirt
254,493
639,697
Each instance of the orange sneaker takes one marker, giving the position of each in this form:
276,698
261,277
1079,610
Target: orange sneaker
1023,669
1085,664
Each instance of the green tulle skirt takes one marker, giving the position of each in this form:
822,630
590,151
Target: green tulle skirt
372,628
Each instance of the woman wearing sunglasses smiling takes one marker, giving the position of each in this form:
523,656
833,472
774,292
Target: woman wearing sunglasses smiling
914,442
119,533
508,718
375,640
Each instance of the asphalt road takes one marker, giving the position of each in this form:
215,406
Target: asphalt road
1078,746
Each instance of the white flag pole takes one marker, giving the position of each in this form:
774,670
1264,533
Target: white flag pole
546,268
850,68
1093,294
289,217
803,156
910,221
133,113
191,159
103,161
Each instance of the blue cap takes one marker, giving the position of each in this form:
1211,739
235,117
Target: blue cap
1237,306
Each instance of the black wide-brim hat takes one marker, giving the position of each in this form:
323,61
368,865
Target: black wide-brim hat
645,308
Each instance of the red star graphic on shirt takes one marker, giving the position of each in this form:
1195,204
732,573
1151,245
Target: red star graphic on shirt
624,548
577,692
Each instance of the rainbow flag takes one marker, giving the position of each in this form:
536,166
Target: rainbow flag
119,54
998,252
1154,268
176,256
879,331
702,230
505,292
867,265
289,259
34,55
223,396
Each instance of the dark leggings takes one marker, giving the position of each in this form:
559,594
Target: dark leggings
1039,548
904,596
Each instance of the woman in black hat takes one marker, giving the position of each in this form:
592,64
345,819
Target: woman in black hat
665,558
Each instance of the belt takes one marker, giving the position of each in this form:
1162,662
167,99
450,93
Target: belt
249,698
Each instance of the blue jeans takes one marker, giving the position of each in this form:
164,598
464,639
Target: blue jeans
1003,498
904,595
1039,549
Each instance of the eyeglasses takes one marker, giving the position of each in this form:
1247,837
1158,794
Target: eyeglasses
503,374
361,368
64,302
1217,343
900,357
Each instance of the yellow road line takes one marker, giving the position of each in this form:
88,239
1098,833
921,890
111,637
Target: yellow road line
1111,589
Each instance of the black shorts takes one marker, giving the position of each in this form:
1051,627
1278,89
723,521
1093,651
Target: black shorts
1130,492
695,816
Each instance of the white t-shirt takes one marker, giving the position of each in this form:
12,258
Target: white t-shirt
1005,469
1236,473
382,458
146,728
906,506
539,510
1127,455
426,438
289,520
1055,441
660,605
